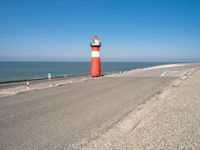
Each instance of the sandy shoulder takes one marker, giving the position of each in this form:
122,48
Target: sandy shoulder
168,120
14,90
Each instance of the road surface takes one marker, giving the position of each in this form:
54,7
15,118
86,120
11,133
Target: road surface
69,116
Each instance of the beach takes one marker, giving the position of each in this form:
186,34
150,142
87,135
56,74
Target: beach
136,109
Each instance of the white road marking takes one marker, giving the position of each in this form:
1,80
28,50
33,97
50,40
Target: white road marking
167,73
163,74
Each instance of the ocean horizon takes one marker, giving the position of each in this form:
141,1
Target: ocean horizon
11,71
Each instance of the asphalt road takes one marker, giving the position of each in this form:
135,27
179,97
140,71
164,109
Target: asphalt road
68,116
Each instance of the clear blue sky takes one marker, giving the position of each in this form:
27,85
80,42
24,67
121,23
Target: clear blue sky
130,30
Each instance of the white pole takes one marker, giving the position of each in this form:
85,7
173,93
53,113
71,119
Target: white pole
49,77
27,85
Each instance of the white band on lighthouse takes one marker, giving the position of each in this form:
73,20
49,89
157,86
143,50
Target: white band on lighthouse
95,53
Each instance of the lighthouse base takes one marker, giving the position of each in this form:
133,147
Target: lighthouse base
95,67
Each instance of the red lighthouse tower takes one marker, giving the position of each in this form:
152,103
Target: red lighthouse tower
95,67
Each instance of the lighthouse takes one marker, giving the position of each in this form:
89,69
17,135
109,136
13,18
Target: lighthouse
95,66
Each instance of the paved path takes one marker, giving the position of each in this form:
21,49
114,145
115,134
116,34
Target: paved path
69,116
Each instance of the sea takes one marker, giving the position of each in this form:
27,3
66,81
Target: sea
21,71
